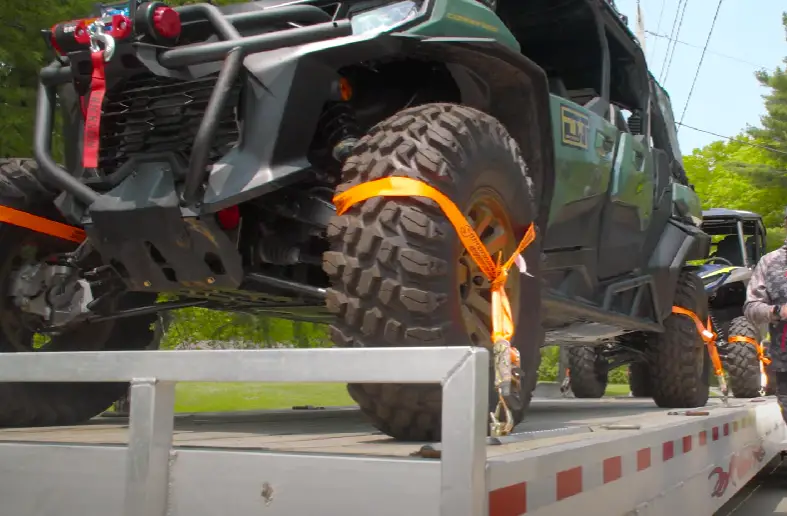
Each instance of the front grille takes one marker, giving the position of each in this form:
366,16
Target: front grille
147,114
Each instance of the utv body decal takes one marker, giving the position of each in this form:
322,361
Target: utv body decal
717,272
469,21
575,127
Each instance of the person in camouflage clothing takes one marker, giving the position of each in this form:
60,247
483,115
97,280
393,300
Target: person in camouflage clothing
766,305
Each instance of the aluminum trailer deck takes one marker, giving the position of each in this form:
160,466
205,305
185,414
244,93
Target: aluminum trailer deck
601,457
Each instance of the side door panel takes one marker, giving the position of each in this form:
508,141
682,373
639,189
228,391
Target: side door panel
629,212
584,147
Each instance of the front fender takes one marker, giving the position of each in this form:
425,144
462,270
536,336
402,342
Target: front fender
679,243
497,80
288,89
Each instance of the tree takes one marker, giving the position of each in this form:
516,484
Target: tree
769,171
23,53
715,172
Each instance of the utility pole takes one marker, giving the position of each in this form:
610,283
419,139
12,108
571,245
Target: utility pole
640,31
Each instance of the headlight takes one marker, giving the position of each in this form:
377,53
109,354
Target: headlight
384,18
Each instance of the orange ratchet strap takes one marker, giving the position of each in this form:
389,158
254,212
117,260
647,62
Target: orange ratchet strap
496,272
41,225
709,337
759,347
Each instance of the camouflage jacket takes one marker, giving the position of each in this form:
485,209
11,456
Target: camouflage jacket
768,288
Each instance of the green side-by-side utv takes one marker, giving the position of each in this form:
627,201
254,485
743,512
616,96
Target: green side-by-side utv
206,172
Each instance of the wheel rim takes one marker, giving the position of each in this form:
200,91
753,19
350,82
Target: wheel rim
13,325
18,329
489,218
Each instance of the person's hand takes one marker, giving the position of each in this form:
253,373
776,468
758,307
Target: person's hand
783,313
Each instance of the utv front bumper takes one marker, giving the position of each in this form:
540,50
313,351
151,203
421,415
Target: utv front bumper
231,49
146,212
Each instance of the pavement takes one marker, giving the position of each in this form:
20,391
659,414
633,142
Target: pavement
765,495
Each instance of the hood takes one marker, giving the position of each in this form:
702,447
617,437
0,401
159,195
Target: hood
714,275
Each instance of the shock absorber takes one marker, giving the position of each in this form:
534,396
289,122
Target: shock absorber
721,336
340,130
336,135
337,129
716,327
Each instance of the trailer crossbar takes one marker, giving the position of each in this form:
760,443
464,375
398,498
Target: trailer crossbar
463,373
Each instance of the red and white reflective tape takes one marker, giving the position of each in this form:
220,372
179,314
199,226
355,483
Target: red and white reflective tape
527,497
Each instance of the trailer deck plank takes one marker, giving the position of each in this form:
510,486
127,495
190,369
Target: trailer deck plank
345,431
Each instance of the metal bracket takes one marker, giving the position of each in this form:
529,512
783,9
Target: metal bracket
149,442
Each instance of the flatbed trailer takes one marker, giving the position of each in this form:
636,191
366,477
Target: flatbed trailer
590,457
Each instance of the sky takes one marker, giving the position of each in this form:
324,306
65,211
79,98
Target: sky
748,36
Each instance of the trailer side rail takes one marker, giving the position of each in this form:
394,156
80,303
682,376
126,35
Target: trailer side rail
681,462
463,373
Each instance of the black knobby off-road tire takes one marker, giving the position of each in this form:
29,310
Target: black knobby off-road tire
588,371
640,382
743,364
19,184
45,404
679,358
393,261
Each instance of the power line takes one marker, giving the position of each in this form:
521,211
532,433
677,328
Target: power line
675,41
658,28
669,39
733,58
702,58
743,142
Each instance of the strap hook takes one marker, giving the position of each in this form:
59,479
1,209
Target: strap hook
97,35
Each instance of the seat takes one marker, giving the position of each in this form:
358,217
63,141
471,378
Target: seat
729,248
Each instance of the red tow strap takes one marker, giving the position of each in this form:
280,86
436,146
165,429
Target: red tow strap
98,85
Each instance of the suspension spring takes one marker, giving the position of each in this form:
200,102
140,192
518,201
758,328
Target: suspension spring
338,130
717,328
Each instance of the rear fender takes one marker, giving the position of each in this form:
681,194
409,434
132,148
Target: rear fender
288,89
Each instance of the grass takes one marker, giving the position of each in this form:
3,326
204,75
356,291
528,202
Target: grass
617,389
221,397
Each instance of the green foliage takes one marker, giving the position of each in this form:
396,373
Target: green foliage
193,325
715,171
774,124
748,174
23,53
548,371
776,237
619,375
768,170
